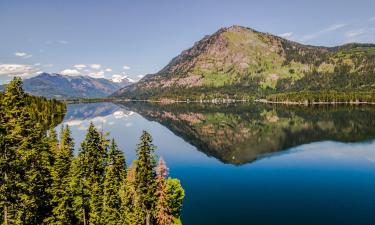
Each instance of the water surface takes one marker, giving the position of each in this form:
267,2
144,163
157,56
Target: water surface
253,164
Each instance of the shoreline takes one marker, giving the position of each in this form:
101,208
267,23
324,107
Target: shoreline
312,103
217,101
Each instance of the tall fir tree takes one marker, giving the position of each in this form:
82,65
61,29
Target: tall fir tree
130,201
62,212
145,177
36,178
11,135
88,171
115,174
24,159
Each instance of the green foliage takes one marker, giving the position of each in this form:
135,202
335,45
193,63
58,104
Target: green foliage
331,97
89,176
26,156
175,196
115,175
240,63
145,176
62,211
43,183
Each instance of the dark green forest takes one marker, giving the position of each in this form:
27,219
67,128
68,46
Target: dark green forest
332,97
43,181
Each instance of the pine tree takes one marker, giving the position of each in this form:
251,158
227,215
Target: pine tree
115,174
15,131
130,202
10,136
162,214
145,177
62,212
36,178
88,172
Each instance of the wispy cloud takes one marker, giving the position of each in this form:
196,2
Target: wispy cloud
355,33
70,72
23,55
20,70
96,74
62,42
371,19
108,70
335,27
286,35
79,66
317,34
95,66
125,67
50,42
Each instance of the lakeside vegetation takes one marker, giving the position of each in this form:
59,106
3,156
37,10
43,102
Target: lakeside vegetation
43,182
324,97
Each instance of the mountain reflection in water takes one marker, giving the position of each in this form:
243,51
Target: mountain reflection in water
241,133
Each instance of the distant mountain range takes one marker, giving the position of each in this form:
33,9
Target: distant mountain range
238,62
67,87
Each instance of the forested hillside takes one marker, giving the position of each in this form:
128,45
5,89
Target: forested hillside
44,182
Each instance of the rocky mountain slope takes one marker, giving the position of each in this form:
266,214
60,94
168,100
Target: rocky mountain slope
239,62
68,87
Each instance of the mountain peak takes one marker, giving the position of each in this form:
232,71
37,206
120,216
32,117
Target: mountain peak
238,59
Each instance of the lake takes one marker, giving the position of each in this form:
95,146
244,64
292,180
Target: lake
253,163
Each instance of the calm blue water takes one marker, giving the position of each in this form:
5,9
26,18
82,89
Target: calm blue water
321,179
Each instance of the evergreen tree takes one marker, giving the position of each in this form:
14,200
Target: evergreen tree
88,172
36,178
130,202
12,102
18,133
115,174
145,177
62,212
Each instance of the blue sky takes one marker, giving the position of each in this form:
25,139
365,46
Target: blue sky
134,38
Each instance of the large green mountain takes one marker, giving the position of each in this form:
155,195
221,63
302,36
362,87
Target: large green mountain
240,62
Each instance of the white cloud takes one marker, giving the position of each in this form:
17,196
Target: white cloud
95,66
125,67
20,70
333,27
79,66
286,35
23,55
354,33
108,70
96,74
336,27
70,72
72,123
